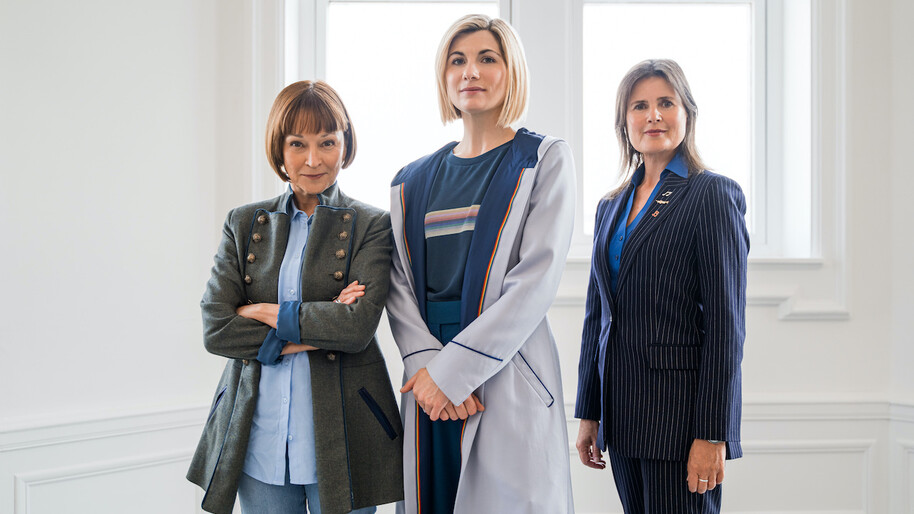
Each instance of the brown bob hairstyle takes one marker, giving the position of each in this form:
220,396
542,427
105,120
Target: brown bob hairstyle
669,71
307,107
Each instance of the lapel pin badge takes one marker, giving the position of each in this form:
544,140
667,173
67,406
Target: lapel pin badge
663,202
655,214
668,193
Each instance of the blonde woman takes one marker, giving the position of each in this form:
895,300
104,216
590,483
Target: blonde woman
481,230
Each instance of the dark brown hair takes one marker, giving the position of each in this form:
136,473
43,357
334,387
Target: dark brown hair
307,107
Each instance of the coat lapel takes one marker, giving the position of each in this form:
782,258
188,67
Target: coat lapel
264,251
493,212
416,189
671,190
607,224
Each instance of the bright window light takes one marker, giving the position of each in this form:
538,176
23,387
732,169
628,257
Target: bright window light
713,44
381,60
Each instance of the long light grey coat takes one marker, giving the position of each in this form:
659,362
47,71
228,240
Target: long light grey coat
514,454
358,435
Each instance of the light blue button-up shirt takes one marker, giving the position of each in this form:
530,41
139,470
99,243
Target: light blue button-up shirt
284,416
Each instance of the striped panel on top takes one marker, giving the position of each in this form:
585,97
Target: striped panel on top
450,221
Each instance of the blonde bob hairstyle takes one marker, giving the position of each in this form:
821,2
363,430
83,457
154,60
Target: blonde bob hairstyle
511,49
307,107
630,159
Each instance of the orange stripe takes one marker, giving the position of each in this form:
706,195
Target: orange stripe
497,240
403,208
462,430
418,479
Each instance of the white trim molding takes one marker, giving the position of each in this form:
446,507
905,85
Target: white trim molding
25,482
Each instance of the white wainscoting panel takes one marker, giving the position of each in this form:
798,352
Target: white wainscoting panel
126,463
810,457
801,457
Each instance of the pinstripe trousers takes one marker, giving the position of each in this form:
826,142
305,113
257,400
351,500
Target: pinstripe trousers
648,486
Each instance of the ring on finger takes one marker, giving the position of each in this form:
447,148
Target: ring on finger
702,479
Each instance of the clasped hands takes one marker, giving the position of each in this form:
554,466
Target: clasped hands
435,403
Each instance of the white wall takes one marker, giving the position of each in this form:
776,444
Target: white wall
126,133
112,148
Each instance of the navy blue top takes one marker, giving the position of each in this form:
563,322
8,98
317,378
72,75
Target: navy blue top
622,231
459,188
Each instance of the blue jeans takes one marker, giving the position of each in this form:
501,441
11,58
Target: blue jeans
260,498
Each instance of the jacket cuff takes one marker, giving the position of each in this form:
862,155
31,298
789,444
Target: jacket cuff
417,360
288,326
271,348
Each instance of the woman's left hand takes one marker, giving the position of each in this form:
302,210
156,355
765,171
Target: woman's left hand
266,313
349,295
427,394
705,469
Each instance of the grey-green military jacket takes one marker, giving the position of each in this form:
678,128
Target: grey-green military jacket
357,429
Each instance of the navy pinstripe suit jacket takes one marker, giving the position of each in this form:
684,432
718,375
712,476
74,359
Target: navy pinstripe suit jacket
660,359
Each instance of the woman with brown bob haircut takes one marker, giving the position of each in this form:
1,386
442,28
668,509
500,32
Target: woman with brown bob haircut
304,411
481,229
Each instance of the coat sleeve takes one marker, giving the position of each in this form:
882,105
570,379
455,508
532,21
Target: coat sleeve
487,344
417,345
589,390
722,253
226,333
349,328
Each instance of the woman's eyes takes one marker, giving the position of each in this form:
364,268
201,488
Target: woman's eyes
329,143
460,61
666,104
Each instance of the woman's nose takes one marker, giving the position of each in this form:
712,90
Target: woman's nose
653,114
312,159
471,71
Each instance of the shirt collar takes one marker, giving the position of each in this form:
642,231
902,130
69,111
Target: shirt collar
292,209
677,166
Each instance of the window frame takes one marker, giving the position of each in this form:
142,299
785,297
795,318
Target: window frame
813,287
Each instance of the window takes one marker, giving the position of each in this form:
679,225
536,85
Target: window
748,64
380,57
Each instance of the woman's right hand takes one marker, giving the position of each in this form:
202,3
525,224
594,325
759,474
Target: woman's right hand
291,348
588,449
349,295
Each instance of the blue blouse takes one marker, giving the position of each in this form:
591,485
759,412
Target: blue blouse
283,420
623,230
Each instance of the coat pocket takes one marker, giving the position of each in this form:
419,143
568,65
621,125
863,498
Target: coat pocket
674,357
530,376
378,413
218,399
